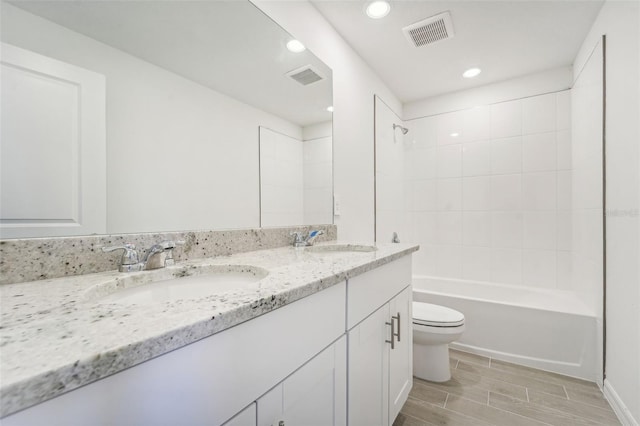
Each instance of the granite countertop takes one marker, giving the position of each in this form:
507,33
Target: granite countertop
56,335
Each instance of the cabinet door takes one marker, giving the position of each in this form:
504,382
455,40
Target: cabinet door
53,143
315,394
401,356
368,370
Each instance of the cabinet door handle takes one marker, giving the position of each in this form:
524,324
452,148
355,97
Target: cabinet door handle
398,333
392,324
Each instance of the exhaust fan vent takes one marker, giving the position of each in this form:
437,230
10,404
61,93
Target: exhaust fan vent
430,30
305,75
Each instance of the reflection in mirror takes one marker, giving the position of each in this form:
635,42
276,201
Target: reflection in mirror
147,115
296,177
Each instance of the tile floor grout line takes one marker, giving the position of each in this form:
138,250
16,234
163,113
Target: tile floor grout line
575,401
566,393
446,398
526,390
489,362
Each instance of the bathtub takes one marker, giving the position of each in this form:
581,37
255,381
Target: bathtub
551,330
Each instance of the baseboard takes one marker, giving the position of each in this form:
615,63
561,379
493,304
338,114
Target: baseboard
621,410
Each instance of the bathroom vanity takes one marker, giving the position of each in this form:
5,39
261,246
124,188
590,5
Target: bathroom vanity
277,351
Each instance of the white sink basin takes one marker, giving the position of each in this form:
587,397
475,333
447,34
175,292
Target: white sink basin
170,284
341,248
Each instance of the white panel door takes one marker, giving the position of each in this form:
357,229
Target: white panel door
401,356
369,370
52,147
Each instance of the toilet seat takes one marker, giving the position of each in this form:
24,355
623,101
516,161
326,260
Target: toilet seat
430,315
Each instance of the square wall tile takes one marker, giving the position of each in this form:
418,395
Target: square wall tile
449,194
423,133
539,268
506,119
422,164
506,266
563,110
449,228
476,193
451,128
477,123
424,260
563,146
539,152
476,229
539,114
476,158
449,261
424,227
539,191
506,156
506,192
476,263
506,229
540,230
422,195
449,161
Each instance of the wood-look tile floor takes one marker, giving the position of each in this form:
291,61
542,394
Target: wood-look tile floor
484,391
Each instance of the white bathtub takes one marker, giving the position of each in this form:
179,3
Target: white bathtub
548,329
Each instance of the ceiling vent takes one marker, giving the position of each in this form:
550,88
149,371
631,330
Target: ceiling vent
305,75
430,30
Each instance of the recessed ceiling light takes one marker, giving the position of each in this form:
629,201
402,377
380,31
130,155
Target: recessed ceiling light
378,9
330,108
471,72
454,135
295,46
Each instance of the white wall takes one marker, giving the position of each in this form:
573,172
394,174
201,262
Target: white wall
620,22
553,80
489,192
354,85
197,170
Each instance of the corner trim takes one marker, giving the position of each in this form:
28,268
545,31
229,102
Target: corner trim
619,407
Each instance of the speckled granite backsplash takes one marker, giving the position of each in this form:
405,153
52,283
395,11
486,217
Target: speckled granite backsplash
43,258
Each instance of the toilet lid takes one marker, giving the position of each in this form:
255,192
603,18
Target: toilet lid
436,316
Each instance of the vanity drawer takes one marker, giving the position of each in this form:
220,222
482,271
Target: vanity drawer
369,291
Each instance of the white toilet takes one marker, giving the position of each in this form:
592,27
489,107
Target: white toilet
434,327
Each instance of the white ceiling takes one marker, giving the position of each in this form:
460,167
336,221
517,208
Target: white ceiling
506,39
229,46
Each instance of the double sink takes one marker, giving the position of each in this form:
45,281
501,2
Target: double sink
196,282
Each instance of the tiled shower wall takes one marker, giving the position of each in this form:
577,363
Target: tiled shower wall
488,192
296,185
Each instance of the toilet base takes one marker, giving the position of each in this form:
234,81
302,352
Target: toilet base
431,362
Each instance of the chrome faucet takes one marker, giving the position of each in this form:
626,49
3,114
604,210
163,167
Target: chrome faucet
130,261
300,240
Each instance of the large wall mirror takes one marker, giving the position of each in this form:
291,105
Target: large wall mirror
152,116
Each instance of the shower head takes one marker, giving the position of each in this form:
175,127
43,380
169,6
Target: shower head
404,129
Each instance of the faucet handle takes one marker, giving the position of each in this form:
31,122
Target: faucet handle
130,255
168,247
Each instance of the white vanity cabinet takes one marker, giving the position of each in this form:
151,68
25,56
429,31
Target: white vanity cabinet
326,359
379,313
